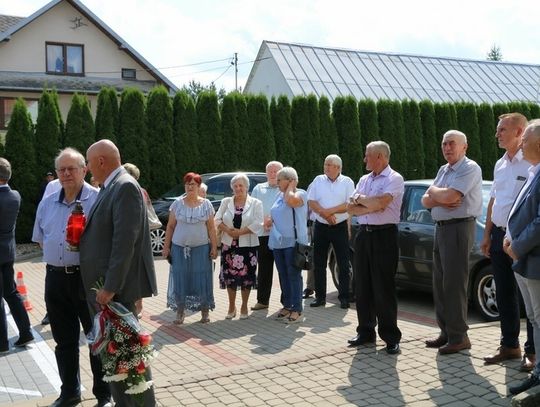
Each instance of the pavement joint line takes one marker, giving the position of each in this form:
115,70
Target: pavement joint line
211,350
306,357
42,355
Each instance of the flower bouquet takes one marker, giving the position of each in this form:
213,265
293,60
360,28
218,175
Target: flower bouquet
123,347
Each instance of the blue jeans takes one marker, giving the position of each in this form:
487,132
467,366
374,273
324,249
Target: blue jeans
290,278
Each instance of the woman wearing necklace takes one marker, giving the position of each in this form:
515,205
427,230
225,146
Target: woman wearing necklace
239,219
191,242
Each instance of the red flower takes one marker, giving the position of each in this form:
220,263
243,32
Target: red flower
141,368
112,347
145,338
121,369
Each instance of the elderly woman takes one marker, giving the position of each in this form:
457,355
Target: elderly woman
290,202
190,240
239,219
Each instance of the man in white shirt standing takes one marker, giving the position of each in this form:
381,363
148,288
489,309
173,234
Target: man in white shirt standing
328,198
509,176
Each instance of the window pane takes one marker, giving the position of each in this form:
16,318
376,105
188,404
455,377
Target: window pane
74,59
55,59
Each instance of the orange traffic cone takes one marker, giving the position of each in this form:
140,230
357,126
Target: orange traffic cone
21,288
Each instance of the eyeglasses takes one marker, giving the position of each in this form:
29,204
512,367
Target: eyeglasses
66,169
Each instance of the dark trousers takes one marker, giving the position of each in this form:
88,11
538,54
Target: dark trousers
66,308
118,389
265,271
507,294
375,262
338,237
451,248
8,291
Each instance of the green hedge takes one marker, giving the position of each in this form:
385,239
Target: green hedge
168,136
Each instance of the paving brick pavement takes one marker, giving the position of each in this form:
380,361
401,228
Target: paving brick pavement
263,362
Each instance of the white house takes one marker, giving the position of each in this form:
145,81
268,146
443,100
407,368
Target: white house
65,46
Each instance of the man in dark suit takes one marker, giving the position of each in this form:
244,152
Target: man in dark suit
522,243
115,245
10,201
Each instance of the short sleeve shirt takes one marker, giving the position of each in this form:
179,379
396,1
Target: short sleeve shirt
465,176
330,193
191,230
387,182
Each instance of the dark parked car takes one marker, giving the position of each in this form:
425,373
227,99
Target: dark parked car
219,187
416,233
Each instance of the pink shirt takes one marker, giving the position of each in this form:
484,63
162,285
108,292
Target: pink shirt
387,182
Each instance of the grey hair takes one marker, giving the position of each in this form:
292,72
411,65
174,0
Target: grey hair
72,153
274,163
534,127
240,177
458,133
288,173
203,187
132,170
5,170
334,159
380,147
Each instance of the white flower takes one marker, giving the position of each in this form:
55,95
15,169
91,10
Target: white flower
115,378
140,387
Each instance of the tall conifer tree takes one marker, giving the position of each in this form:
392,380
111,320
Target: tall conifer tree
47,134
159,120
19,151
209,130
186,149
80,131
281,126
131,137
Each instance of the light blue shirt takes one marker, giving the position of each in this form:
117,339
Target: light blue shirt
267,195
50,225
282,232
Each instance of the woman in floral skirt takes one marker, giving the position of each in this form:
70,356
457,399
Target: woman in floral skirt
239,219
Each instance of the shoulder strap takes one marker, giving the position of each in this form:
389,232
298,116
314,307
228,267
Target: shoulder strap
294,223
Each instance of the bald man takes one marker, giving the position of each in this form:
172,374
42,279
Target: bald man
115,245
455,200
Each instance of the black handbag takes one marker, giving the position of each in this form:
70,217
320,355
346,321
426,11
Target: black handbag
303,253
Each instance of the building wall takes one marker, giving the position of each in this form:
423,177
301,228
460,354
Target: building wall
268,78
25,52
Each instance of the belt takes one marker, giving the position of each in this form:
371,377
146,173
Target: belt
64,269
501,228
373,228
455,220
331,226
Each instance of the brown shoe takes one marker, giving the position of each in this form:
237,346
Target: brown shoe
527,362
259,306
450,348
502,354
436,342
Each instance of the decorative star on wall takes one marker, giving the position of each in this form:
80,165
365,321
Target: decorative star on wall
77,23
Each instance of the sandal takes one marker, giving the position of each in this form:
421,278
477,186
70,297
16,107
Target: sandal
293,320
204,316
283,313
180,315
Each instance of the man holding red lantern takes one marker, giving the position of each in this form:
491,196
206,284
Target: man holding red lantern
64,295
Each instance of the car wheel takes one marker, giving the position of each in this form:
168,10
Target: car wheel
485,294
157,240
334,271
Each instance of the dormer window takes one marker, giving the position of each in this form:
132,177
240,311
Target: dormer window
65,59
